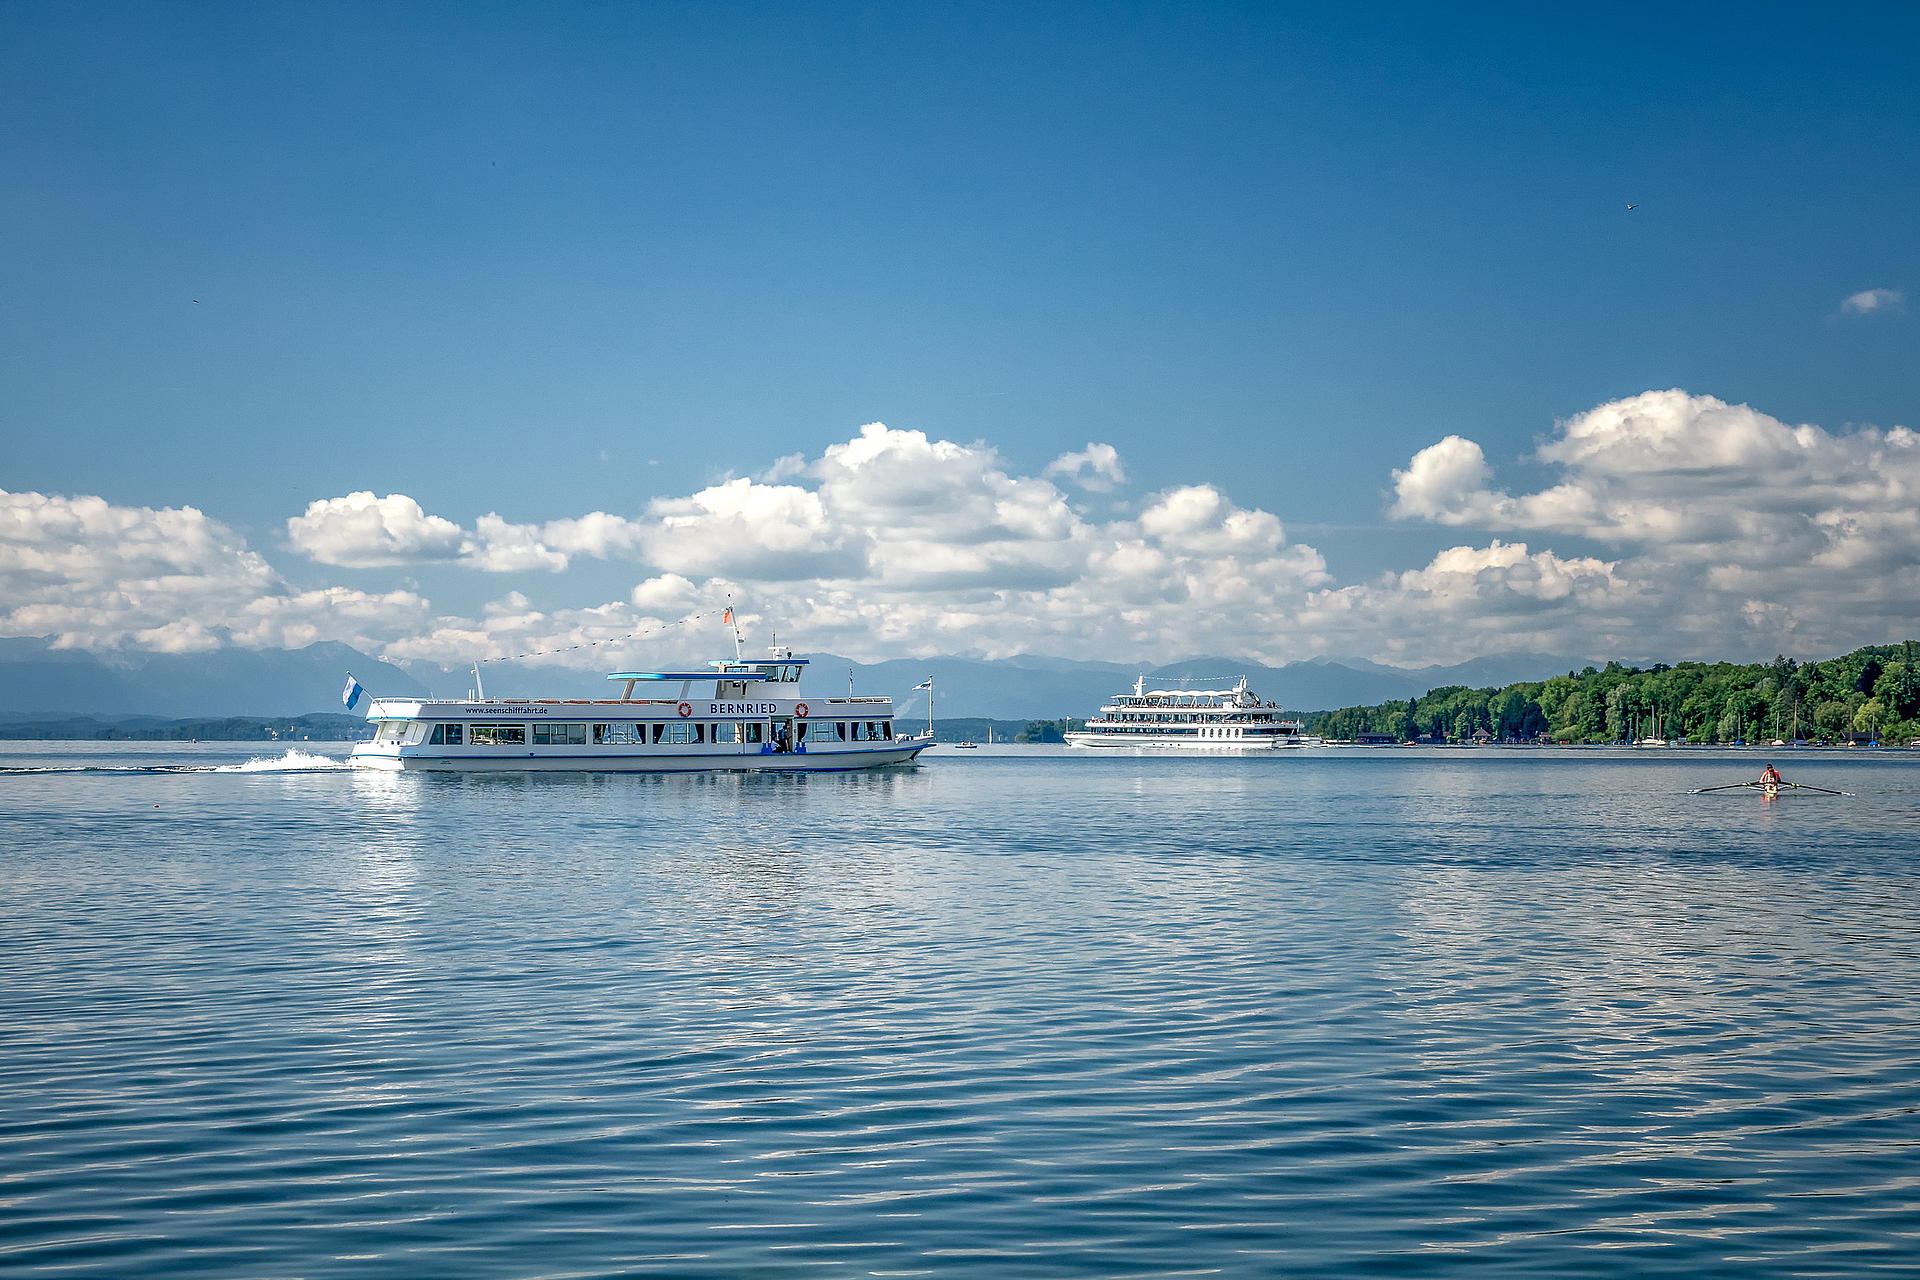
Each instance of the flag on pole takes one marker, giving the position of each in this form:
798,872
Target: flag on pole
351,694
924,684
726,619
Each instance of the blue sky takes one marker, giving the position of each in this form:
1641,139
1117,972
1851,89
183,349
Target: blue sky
546,260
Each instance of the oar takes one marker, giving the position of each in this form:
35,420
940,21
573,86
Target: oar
1804,787
1731,786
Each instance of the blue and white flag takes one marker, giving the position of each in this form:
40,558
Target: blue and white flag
351,694
925,684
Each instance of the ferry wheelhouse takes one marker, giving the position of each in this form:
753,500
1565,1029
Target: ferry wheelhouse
1206,719
753,719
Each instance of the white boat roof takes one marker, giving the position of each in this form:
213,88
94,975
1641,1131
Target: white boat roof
1187,693
722,669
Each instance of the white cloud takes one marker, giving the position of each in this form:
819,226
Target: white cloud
95,574
1728,514
361,531
895,542
1720,530
1445,482
364,619
1873,302
773,532
1475,600
500,546
1096,467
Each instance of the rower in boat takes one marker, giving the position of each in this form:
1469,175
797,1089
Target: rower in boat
1770,783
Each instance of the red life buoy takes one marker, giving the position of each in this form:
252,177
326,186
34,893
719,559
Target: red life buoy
800,709
685,709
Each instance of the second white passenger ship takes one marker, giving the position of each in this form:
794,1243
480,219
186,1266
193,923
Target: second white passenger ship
1208,719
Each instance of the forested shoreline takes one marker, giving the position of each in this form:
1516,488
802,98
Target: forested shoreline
1871,694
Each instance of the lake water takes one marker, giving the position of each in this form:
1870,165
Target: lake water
1020,1013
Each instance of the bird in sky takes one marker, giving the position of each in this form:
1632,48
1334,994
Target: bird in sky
1633,206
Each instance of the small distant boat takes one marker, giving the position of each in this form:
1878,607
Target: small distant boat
966,746
1771,787
1652,742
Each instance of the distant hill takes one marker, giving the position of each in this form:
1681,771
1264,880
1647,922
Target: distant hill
319,727
40,682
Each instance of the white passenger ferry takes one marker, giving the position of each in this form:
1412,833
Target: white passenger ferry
1208,719
753,720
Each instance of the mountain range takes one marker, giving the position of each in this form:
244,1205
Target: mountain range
39,680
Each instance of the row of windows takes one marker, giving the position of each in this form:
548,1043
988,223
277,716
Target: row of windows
629,734
1156,730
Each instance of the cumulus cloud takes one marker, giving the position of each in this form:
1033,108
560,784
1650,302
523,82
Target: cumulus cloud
894,541
1445,482
92,573
1473,600
362,531
1729,514
96,575
772,532
1873,302
1096,467
1696,526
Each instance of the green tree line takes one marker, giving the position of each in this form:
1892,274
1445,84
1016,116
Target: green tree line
1873,691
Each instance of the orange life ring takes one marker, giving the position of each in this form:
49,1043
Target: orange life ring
685,709
800,709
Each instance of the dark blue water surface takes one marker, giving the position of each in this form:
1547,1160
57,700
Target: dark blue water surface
1008,1014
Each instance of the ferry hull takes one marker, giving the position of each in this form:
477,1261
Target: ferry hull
1185,744
782,762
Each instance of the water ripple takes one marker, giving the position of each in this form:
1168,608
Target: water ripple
1003,1016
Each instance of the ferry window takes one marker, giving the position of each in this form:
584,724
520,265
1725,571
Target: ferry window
619,735
559,735
725,732
677,733
450,735
498,735
886,729
660,733
842,730
799,730
391,731
755,732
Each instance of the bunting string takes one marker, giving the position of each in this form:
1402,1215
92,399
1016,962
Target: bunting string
591,644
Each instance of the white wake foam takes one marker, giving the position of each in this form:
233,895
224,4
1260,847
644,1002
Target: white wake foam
294,761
